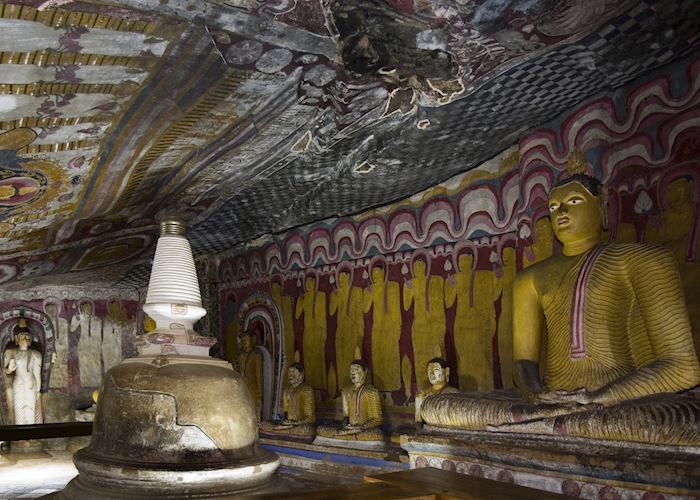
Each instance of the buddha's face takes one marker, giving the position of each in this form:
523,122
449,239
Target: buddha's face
295,377
85,308
310,284
465,262
23,341
114,308
51,309
419,268
377,274
276,288
575,213
247,342
343,279
357,374
437,374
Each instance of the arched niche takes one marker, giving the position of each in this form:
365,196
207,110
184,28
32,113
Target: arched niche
260,314
43,340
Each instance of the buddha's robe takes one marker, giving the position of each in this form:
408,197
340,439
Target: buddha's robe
616,320
250,366
299,406
430,391
362,407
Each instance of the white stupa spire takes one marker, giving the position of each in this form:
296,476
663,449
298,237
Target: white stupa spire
173,299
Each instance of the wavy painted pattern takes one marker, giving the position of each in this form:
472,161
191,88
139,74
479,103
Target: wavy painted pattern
649,128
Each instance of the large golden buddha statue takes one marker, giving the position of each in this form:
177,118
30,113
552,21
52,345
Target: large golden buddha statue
362,410
613,328
298,406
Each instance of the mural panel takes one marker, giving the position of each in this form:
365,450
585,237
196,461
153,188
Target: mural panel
432,274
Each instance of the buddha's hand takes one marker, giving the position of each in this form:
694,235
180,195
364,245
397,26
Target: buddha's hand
577,396
289,423
12,366
349,430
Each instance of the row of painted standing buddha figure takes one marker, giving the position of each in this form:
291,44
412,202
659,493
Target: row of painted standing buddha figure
602,343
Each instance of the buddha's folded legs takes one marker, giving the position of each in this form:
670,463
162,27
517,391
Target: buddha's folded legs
288,430
372,434
663,418
477,411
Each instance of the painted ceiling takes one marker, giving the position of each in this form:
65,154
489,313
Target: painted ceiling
249,117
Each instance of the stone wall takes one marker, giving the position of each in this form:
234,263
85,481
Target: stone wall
432,274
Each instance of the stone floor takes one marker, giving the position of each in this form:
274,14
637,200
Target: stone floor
38,474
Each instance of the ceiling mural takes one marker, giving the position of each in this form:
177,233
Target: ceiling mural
250,117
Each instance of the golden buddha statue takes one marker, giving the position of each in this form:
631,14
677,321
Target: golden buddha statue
298,405
250,365
438,376
362,410
618,342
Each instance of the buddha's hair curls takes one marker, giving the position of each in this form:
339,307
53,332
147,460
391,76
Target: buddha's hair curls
592,185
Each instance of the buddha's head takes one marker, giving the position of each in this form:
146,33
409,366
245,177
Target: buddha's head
277,288
465,262
377,274
310,283
358,372
438,372
51,309
343,279
114,308
23,337
576,209
247,342
85,309
295,374
419,268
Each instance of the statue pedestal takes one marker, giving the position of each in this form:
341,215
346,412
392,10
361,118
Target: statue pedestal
28,446
355,444
574,466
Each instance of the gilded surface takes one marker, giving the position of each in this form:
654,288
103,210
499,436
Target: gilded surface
618,339
382,297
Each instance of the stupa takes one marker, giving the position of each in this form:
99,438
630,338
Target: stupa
172,422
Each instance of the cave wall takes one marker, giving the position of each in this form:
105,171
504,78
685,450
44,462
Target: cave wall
432,274
89,330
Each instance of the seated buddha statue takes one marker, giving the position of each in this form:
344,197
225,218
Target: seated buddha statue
298,407
438,375
362,410
612,324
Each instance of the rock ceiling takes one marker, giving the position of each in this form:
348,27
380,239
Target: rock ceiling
249,117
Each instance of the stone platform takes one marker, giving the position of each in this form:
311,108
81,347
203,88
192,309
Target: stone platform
572,466
336,460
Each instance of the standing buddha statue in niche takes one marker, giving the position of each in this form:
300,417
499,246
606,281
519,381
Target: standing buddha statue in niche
250,366
22,365
298,407
438,376
284,302
313,306
346,301
383,297
362,410
427,295
618,339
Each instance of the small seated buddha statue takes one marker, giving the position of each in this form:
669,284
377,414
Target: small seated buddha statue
618,342
298,407
438,376
362,410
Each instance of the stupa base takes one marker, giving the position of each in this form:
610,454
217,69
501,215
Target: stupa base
104,479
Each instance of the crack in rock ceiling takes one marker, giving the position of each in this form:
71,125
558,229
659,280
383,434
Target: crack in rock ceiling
249,117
